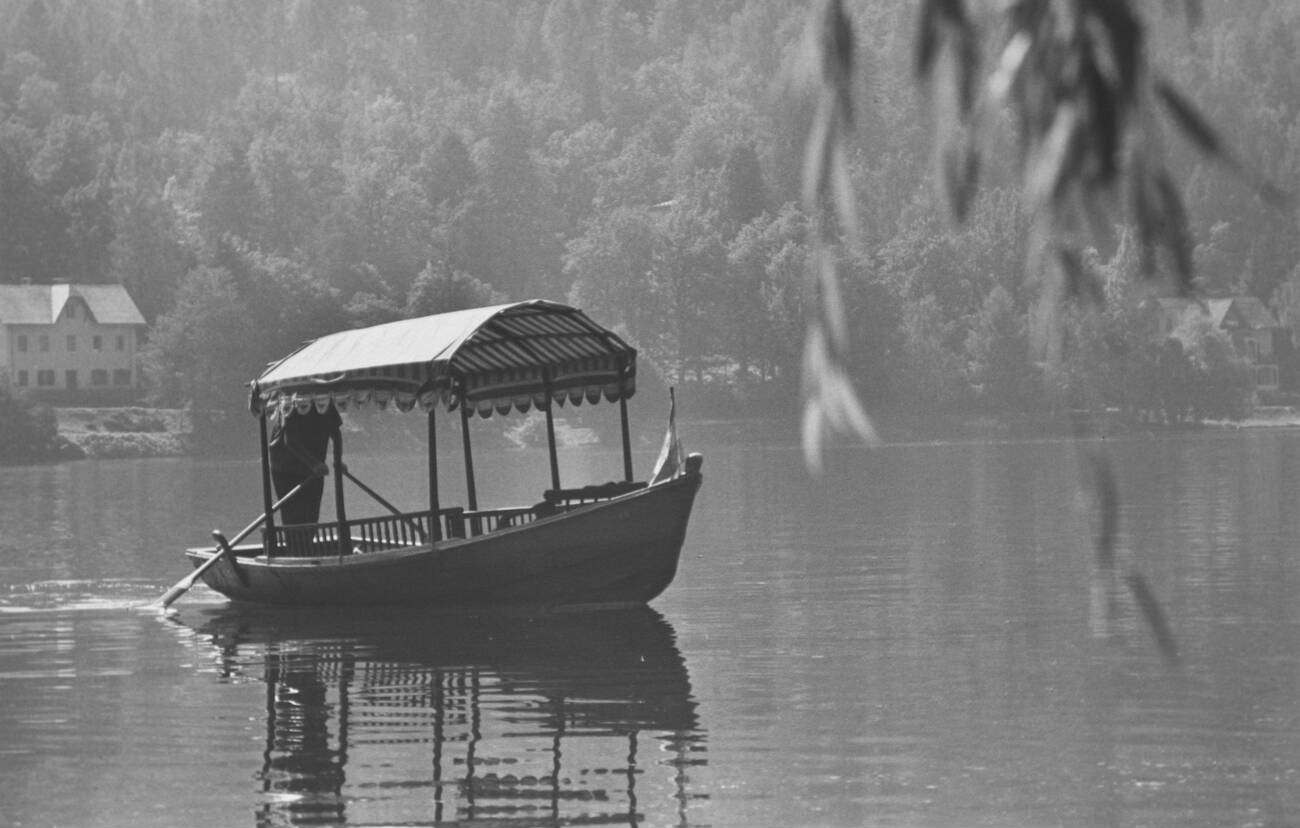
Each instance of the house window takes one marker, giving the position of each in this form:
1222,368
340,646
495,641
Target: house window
72,342
98,376
122,376
97,342
70,379
44,342
121,343
22,342
22,377
45,378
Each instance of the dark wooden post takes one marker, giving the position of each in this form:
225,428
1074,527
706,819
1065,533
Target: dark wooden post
627,436
433,474
550,430
268,531
471,498
345,537
623,416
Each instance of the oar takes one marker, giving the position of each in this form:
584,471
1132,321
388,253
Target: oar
223,549
380,500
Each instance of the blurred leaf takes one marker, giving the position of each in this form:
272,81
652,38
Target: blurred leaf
1009,66
1124,37
1105,131
830,402
961,166
1106,498
1198,130
927,40
816,151
1144,216
1154,615
1190,120
939,18
1079,282
837,54
1059,154
1175,229
841,183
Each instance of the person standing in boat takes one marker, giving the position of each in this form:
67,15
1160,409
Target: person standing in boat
299,443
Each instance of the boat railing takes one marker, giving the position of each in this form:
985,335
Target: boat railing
482,521
370,534
395,531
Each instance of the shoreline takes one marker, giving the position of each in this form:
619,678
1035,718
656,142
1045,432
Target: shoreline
141,432
125,432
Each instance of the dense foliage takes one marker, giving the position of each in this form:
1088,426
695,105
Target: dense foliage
259,173
30,431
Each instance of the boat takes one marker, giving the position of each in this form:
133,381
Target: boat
609,544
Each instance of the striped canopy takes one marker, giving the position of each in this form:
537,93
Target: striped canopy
493,359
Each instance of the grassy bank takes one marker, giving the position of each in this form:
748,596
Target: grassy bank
125,432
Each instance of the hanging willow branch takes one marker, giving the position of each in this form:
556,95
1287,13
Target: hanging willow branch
1074,77
831,403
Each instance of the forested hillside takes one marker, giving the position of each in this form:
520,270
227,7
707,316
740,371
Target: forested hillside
257,173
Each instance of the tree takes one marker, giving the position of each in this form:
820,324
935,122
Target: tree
743,195
512,224
439,289
204,349
30,432
610,268
998,366
932,380
761,295
146,254
689,261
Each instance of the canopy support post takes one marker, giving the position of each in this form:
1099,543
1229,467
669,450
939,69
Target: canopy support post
550,430
627,437
268,534
433,476
345,537
471,498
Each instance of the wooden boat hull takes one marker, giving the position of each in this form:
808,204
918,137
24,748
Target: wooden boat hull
618,552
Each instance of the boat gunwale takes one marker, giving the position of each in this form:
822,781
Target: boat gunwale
393,555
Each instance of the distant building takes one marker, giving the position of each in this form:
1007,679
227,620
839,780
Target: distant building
1249,324
70,342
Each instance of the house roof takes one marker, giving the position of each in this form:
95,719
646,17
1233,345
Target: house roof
42,304
1253,313
1247,312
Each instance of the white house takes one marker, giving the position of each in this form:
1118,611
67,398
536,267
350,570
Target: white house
66,340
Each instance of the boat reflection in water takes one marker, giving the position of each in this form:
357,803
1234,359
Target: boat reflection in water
397,717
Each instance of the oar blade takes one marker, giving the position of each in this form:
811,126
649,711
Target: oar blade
172,595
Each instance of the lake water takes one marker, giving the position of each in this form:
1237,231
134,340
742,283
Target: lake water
920,638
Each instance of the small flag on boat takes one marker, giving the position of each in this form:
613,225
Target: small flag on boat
669,464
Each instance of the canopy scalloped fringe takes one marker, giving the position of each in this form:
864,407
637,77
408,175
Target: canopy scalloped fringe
404,401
